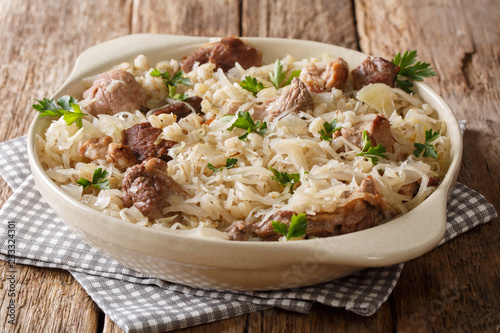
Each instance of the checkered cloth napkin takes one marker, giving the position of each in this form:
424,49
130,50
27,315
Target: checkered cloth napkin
139,303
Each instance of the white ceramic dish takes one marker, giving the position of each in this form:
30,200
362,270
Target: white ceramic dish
214,263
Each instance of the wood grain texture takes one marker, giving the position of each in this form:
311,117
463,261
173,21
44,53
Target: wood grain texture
323,21
192,18
231,325
47,300
40,42
455,287
321,318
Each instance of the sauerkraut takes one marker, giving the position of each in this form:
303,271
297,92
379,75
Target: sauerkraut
329,170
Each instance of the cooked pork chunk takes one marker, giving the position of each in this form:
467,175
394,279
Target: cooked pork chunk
239,231
149,188
264,229
293,98
121,156
334,75
412,189
310,75
103,148
378,130
376,70
115,91
363,210
141,138
95,148
224,54
181,109
361,213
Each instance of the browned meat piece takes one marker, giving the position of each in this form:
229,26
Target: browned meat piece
293,98
121,156
239,231
361,212
260,111
181,109
149,188
310,75
103,148
376,70
333,76
433,181
319,225
224,55
95,148
411,189
195,103
264,229
141,138
115,91
378,130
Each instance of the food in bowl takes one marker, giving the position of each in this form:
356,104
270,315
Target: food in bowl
297,148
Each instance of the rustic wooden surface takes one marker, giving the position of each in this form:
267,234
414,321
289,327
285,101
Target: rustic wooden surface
454,288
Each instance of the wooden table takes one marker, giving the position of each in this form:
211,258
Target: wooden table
454,288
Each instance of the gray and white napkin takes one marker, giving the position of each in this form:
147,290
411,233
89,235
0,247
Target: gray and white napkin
139,303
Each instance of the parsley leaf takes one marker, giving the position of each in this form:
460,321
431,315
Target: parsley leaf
99,180
280,227
251,84
295,73
411,68
371,152
427,149
329,128
278,76
246,122
298,226
285,178
65,107
172,82
230,163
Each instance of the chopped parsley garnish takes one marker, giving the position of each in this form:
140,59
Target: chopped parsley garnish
285,178
298,226
65,106
370,152
230,163
251,84
329,128
172,83
412,69
427,148
246,122
99,180
278,76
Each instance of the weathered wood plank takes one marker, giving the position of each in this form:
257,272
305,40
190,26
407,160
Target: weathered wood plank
218,18
40,42
46,300
236,324
457,286
324,21
321,318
